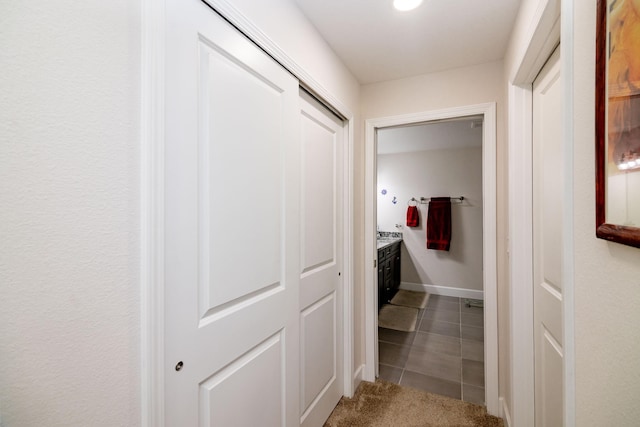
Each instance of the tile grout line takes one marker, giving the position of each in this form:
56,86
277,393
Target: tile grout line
435,310
415,333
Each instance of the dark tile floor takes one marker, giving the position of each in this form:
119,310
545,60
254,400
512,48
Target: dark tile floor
445,355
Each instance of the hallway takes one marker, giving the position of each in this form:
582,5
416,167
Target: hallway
385,404
89,102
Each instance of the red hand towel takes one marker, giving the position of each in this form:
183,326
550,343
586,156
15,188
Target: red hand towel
412,216
439,224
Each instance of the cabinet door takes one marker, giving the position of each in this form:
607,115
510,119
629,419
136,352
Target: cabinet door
381,287
392,286
396,268
388,276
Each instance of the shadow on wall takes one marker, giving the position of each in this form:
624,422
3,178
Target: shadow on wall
409,270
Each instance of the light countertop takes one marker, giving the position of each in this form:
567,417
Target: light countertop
381,243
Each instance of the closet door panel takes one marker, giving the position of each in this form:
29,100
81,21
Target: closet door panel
232,229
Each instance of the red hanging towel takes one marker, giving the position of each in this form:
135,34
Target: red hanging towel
413,218
439,224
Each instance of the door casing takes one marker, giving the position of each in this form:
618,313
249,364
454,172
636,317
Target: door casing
488,111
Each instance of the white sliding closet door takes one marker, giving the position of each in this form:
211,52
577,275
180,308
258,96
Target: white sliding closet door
232,228
321,354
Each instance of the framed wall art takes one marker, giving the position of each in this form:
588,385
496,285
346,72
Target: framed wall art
618,121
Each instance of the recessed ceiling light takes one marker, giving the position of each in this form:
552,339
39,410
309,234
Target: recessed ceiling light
406,4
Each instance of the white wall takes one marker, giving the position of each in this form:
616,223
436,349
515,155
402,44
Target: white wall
450,172
607,284
69,333
451,88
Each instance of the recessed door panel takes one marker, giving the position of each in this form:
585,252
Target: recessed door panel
318,192
551,367
225,399
240,179
318,346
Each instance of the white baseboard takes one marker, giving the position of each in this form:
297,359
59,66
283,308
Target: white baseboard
357,378
443,290
504,409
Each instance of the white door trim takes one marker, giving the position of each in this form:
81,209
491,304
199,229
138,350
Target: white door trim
488,110
568,311
521,255
152,197
552,21
152,214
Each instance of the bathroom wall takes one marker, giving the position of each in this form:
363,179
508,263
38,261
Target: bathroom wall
432,173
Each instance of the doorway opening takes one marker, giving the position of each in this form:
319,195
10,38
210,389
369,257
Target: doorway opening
485,118
431,320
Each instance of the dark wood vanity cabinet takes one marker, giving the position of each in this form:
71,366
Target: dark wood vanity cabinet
388,272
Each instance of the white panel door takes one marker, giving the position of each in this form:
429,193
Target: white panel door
320,276
548,202
232,231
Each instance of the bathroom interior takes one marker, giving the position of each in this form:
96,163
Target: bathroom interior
429,239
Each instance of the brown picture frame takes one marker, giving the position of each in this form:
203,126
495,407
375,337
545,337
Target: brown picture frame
626,235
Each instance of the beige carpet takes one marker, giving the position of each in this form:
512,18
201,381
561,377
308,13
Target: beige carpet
398,318
383,404
410,299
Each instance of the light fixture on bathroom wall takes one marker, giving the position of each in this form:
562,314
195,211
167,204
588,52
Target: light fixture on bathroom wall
629,161
404,5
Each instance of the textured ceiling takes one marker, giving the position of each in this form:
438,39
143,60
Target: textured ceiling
378,43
